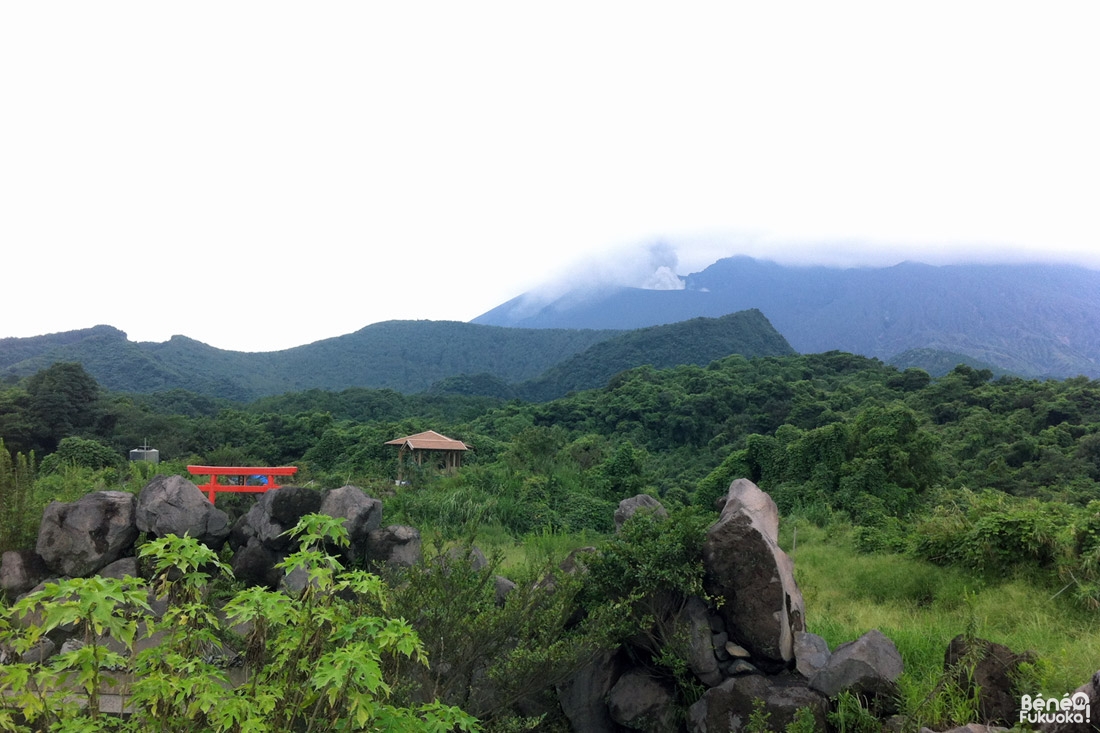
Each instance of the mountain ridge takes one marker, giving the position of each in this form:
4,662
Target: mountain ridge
405,356
1032,320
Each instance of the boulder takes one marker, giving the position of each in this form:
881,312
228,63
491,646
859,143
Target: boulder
21,570
257,524
469,556
638,701
274,513
992,669
173,505
78,538
254,564
735,651
1087,696
761,603
811,653
502,588
289,504
643,502
361,513
868,666
397,545
126,567
728,706
295,581
700,653
260,540
582,696
735,667
42,650
574,561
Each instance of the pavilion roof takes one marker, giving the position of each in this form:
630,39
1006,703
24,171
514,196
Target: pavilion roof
429,440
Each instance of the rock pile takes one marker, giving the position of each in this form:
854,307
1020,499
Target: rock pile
92,535
76,539
750,645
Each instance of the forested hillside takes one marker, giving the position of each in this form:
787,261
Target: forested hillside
698,341
919,497
1032,320
407,356
833,431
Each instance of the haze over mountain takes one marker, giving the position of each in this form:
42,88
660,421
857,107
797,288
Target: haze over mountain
1031,320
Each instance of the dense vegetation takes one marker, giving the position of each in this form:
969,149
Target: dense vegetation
698,341
995,479
828,431
408,356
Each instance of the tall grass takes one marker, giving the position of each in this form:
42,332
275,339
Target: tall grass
921,607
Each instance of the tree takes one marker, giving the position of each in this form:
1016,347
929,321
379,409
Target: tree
63,400
83,452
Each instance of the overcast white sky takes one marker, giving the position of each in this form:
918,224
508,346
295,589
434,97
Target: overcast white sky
259,175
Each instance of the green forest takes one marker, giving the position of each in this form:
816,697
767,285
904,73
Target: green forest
992,480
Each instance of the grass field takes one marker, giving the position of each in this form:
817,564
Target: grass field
921,607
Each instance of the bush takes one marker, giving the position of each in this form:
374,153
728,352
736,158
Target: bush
83,453
313,660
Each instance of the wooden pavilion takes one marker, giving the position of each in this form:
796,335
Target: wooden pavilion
429,445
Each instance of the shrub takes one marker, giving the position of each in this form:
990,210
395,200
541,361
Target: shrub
314,661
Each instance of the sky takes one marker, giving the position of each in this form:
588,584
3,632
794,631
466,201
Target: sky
261,175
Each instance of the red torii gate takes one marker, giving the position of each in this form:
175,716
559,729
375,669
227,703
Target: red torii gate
213,487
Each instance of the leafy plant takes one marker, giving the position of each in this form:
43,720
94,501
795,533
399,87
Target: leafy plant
851,716
314,659
758,718
802,722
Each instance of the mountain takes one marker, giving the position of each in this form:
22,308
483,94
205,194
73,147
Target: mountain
407,356
697,341
1032,320
938,363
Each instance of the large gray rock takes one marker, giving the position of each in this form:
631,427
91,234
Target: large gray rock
990,670
260,537
728,706
43,649
257,524
290,503
700,653
274,513
638,701
21,570
397,545
173,505
584,694
254,564
761,602
362,515
811,653
78,538
1087,696
868,666
124,567
642,502
502,588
